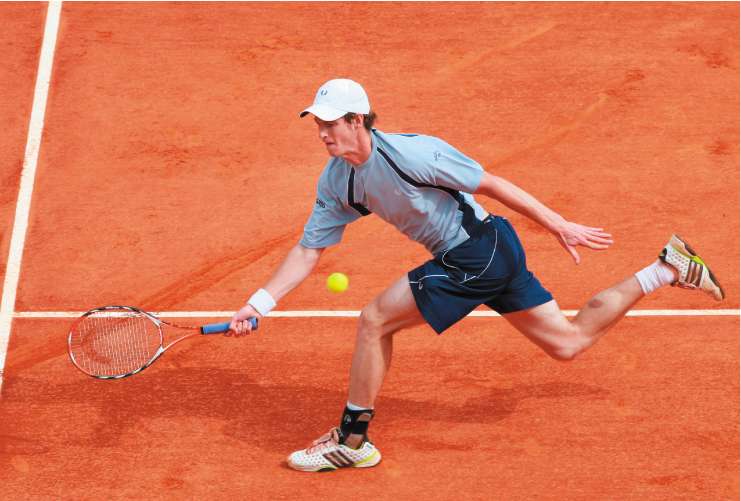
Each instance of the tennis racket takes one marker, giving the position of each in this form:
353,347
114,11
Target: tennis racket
113,342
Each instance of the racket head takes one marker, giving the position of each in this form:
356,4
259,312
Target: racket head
113,342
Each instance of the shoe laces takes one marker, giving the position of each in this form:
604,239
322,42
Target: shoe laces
329,439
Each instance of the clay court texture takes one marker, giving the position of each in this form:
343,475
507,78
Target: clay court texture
173,173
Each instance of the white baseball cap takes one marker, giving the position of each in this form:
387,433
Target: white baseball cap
338,97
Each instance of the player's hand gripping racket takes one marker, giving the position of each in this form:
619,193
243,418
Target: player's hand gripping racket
113,342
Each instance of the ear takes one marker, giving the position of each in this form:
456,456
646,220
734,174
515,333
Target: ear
357,121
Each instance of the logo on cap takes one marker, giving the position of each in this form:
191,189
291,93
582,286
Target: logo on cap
323,92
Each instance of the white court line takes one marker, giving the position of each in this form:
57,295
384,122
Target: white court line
355,313
28,176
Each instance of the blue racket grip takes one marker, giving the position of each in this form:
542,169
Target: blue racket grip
223,327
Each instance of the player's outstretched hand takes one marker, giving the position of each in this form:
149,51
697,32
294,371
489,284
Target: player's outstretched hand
240,324
570,235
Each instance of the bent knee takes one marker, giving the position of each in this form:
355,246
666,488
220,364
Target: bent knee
567,348
563,354
371,322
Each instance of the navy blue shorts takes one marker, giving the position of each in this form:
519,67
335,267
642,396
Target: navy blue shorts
489,268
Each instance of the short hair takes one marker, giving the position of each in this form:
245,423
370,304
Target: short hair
368,120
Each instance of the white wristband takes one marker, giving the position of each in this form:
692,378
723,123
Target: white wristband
262,302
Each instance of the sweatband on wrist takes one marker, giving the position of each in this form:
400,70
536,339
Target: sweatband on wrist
262,302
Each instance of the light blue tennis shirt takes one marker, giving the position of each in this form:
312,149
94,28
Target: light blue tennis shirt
420,184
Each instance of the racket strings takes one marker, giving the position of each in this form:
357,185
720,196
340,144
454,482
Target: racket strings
111,344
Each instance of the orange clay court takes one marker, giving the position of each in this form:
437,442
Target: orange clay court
174,173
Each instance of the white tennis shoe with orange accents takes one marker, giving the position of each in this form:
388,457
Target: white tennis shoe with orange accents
327,454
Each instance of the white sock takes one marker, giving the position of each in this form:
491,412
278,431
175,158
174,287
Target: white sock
655,275
354,407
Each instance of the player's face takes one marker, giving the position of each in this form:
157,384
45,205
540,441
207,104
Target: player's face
340,137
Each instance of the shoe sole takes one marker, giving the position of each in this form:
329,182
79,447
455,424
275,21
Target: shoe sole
368,462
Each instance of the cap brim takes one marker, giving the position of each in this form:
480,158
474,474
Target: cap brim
323,112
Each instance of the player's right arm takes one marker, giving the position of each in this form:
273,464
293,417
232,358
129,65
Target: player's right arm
325,227
297,265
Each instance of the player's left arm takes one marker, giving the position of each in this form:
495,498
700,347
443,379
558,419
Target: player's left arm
569,235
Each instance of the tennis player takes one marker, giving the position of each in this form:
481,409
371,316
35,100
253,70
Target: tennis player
425,187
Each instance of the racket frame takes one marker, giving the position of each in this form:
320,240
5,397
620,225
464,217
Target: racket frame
125,311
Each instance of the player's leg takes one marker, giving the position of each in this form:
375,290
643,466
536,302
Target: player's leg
547,327
347,445
392,310
439,292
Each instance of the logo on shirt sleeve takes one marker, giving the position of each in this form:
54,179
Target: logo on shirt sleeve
321,203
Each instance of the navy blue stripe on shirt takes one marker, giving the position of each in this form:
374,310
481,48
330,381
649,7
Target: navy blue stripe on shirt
469,222
351,195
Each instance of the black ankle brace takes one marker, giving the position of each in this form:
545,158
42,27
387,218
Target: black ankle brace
354,426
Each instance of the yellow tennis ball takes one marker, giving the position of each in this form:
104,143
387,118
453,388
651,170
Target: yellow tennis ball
337,282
